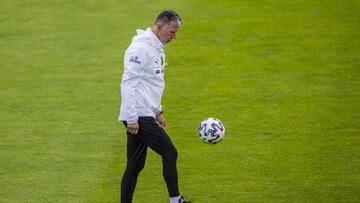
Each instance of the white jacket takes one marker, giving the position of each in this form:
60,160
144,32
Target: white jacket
142,83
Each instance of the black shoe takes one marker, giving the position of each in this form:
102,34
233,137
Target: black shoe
182,200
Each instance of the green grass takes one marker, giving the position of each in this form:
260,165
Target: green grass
283,76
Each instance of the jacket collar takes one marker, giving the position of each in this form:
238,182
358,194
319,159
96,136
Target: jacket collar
155,39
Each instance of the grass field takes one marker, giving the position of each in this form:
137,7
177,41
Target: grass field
283,76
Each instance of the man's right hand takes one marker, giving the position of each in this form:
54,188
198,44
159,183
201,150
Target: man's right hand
133,128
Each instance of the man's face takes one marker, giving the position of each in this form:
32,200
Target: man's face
167,32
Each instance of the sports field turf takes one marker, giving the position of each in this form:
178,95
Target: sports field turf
283,76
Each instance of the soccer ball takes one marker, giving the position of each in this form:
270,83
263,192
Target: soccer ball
211,131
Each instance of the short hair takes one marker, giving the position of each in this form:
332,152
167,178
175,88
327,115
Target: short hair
168,16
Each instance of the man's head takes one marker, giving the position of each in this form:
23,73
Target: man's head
166,25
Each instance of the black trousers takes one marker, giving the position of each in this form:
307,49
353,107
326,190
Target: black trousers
150,135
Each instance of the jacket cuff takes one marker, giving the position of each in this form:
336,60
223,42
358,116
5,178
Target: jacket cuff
159,111
132,121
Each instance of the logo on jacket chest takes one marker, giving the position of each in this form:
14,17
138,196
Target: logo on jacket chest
159,67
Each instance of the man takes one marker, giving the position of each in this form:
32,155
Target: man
141,110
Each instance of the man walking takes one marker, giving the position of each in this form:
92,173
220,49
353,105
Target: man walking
141,111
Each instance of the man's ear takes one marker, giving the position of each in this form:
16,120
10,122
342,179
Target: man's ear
158,25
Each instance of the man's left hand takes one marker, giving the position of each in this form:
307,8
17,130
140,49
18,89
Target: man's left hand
160,118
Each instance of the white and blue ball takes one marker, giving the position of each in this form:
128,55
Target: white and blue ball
211,131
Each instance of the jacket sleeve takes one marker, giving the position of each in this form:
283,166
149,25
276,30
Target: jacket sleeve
134,66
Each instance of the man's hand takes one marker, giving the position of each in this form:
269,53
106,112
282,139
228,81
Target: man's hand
133,128
160,118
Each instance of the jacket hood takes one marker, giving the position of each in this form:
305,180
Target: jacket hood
148,37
